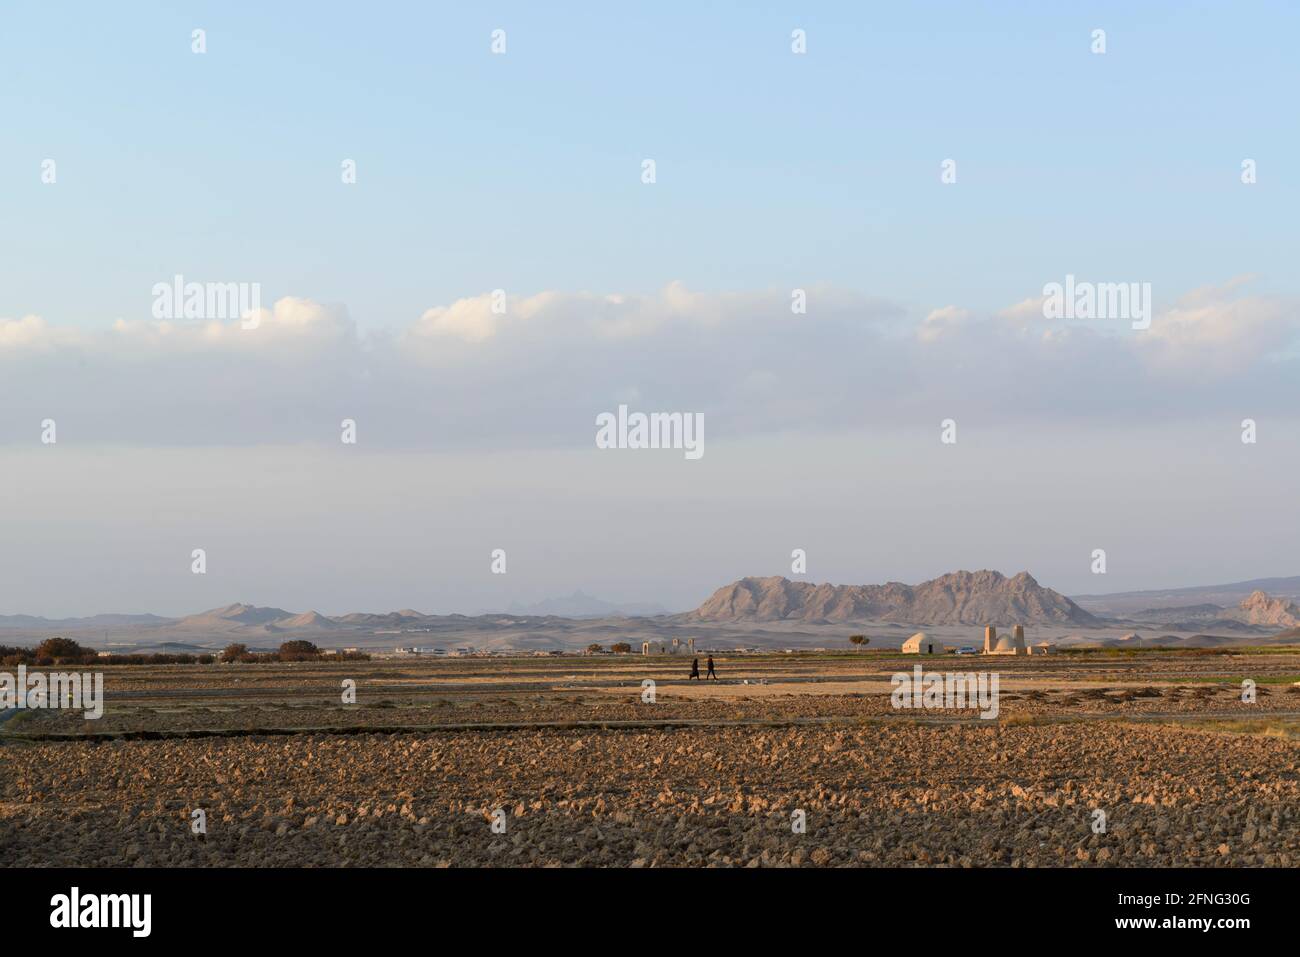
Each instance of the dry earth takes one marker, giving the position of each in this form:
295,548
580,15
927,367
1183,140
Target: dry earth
889,794
707,775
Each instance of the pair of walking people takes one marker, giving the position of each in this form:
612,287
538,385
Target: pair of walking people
695,669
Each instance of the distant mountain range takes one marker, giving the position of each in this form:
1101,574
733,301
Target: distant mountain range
241,618
1133,603
579,605
762,612
94,621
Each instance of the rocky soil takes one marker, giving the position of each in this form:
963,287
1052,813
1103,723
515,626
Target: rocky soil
617,706
885,794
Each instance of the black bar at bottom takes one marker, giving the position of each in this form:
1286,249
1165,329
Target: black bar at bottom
334,906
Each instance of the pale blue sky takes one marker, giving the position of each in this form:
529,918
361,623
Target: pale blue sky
521,171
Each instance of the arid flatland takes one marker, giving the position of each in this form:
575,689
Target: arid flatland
587,773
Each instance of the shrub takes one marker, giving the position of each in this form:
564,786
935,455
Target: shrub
298,651
62,649
235,652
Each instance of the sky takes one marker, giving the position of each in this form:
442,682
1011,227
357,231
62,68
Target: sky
127,158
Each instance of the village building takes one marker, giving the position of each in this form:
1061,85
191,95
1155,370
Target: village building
1014,644
676,647
922,644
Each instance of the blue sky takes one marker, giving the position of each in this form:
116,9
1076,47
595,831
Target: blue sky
522,171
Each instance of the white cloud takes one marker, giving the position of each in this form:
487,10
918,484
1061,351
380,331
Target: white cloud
1217,331
293,321
945,320
32,333
460,375
470,320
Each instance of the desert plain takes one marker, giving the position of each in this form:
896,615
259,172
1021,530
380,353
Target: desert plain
788,760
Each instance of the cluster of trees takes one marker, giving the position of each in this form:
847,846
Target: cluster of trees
298,650
51,651
65,651
618,648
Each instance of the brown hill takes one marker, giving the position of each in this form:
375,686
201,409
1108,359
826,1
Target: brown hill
234,616
958,598
241,617
308,619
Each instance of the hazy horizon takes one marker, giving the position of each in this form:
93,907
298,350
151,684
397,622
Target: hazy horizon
621,606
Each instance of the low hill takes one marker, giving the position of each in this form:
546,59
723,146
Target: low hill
309,620
1131,604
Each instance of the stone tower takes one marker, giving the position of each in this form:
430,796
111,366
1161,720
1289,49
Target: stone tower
990,638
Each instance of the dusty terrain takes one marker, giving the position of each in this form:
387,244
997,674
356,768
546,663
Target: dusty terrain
586,773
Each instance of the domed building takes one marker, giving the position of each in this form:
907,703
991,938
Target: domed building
1013,644
922,644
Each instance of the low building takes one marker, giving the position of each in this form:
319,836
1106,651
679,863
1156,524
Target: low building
922,644
675,647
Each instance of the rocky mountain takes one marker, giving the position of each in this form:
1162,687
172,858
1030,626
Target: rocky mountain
1259,608
958,598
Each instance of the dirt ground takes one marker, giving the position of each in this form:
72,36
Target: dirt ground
578,769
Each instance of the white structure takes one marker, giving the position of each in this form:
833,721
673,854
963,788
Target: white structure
922,644
677,647
1013,645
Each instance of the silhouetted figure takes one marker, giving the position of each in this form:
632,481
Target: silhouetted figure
695,670
712,674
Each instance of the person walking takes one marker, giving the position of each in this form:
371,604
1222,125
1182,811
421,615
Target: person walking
712,674
695,670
